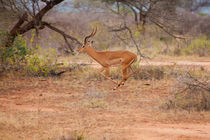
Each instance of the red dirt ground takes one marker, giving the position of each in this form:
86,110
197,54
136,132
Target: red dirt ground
52,108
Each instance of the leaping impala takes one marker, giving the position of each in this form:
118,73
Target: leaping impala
108,59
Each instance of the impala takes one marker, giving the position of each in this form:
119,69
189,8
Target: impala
108,59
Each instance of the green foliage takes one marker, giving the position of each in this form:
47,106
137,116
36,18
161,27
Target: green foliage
199,46
45,65
202,14
19,57
13,57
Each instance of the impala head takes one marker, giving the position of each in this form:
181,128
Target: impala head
87,44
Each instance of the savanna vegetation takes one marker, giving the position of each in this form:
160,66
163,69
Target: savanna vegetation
49,91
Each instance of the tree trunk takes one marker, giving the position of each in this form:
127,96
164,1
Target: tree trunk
15,30
19,28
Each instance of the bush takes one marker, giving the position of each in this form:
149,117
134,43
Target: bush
199,46
202,14
190,93
19,57
13,57
42,66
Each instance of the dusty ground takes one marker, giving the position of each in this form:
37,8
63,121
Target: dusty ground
52,108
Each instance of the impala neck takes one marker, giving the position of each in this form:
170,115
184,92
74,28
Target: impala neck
94,54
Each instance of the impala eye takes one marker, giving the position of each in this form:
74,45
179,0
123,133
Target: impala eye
83,46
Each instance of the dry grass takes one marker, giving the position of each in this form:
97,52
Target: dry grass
79,104
190,92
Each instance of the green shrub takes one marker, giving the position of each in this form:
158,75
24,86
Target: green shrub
45,65
199,46
202,14
20,57
14,57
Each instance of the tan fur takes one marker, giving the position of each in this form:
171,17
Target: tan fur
108,59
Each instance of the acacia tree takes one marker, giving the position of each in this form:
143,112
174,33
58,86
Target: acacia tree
162,13
165,14
31,17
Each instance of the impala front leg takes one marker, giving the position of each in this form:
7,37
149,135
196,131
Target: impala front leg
107,74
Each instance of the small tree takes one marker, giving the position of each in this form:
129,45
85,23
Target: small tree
31,17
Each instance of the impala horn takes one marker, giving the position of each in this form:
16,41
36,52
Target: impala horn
92,34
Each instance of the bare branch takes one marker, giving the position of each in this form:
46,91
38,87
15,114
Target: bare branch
61,32
34,23
49,6
200,4
134,41
135,15
68,44
118,30
165,30
122,39
125,27
16,28
46,1
27,9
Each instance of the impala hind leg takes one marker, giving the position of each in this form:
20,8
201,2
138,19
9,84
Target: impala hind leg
125,75
106,74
